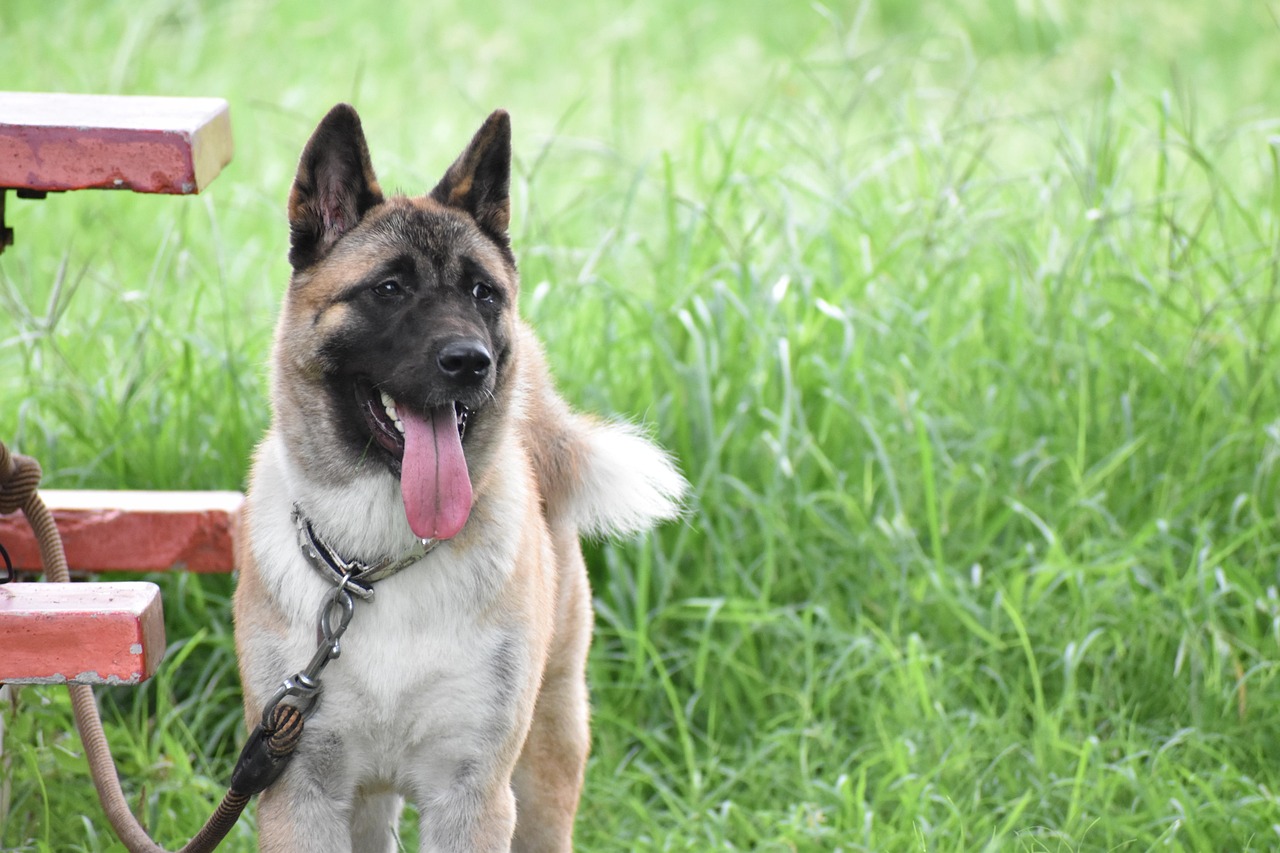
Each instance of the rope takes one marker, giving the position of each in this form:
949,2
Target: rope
19,477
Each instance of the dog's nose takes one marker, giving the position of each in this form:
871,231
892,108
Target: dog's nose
464,360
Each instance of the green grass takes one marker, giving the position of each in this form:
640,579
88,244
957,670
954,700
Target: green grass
961,318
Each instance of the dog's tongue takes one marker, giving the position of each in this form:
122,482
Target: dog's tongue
433,474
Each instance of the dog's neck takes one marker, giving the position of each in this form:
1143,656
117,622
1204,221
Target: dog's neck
361,515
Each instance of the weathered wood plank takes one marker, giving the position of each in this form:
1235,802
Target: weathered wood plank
53,142
80,633
133,531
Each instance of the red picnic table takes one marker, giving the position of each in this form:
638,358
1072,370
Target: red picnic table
91,633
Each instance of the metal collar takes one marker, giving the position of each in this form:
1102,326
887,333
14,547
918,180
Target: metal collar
355,575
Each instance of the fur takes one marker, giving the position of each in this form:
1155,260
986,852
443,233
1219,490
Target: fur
461,686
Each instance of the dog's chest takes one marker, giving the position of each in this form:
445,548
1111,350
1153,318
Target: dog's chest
420,690
417,682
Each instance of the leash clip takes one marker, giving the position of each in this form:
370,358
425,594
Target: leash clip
304,685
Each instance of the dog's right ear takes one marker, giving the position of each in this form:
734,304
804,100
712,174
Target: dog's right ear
335,187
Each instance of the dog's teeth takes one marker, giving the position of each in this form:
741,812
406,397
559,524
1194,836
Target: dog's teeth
389,406
461,414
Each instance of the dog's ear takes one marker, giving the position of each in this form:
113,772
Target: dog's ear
335,187
479,181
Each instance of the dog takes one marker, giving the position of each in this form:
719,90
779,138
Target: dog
415,427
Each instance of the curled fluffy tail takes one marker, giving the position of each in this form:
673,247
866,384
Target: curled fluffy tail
604,478
627,483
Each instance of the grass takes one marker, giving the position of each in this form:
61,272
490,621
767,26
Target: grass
960,318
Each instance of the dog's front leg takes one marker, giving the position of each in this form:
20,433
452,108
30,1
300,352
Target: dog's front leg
308,809
466,817
375,817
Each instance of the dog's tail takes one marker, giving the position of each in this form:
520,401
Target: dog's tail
603,477
626,484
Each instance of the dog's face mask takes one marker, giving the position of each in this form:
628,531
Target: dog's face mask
400,313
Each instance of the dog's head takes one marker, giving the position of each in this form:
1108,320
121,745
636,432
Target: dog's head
394,347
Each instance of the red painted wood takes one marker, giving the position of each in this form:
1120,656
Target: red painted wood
83,633
133,531
54,142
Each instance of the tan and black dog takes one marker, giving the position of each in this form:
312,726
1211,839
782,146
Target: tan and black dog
415,428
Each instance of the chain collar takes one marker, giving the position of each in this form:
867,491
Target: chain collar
354,575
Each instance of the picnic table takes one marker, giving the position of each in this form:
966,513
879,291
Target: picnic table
91,633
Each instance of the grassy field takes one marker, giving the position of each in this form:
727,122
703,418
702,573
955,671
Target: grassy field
960,317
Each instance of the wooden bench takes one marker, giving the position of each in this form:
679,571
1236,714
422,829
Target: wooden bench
110,632
97,633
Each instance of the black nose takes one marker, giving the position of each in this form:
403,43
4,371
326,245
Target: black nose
464,360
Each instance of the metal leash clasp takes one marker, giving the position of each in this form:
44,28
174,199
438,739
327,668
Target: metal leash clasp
304,686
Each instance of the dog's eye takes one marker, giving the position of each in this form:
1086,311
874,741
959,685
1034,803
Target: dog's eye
387,289
482,292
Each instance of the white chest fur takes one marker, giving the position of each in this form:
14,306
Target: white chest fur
425,675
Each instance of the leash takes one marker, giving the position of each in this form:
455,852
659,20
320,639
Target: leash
265,754
351,579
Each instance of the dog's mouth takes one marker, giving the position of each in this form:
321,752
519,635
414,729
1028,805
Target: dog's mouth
382,416
425,449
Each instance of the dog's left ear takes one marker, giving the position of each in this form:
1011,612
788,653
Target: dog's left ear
479,181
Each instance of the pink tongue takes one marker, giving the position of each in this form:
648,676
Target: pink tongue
433,474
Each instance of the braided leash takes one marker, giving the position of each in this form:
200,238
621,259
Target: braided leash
265,754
